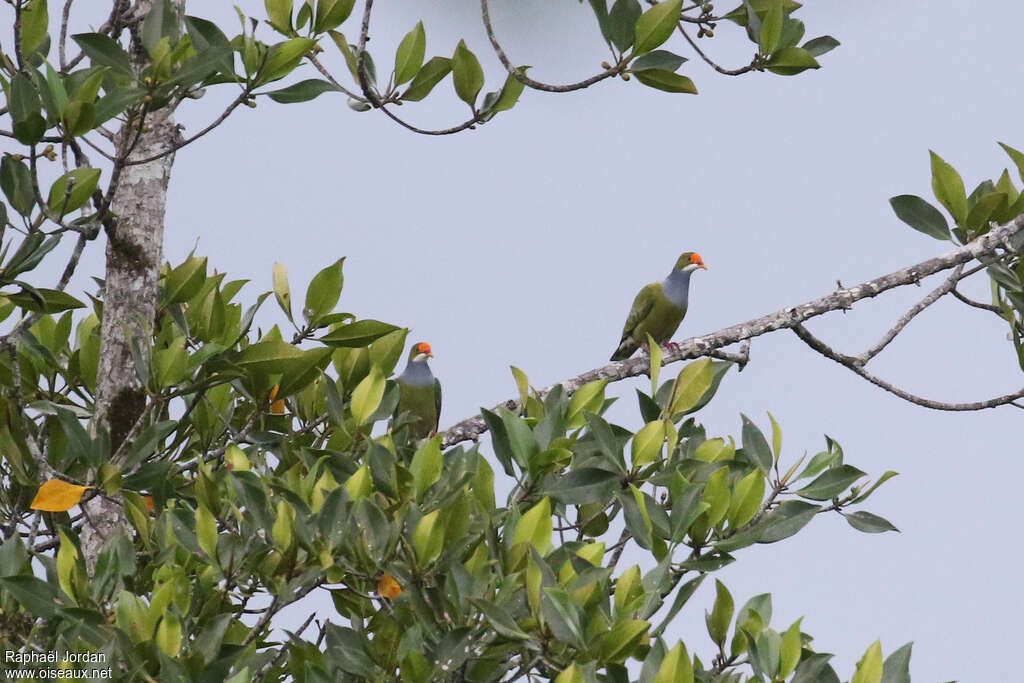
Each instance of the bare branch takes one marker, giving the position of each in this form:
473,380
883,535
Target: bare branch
537,85
853,364
976,304
712,64
787,318
924,303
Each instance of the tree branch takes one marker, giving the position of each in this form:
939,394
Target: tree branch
485,13
787,318
853,364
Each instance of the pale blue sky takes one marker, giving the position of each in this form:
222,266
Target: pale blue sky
524,242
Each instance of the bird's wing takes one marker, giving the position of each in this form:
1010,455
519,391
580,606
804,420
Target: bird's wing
642,306
437,399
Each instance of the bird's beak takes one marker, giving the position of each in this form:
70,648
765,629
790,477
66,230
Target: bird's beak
430,355
703,266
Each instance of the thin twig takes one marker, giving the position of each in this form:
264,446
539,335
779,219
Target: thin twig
852,363
538,85
924,303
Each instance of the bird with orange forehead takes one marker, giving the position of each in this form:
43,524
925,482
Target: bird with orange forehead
659,307
419,398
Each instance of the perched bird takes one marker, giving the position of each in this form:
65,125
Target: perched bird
659,307
419,393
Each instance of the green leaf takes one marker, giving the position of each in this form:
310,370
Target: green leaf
618,644
426,78
279,14
771,28
656,25
184,281
500,619
989,205
897,666
721,614
831,483
535,526
868,523
582,486
25,108
510,93
331,13
38,597
367,395
206,531
72,190
690,385
283,58
426,466
34,22
791,60
658,59
676,667
53,301
820,45
466,73
746,498
16,182
755,446
114,103
303,91
168,635
103,51
667,81
647,443
409,56
889,474
949,188
622,20
358,334
324,291
282,292
789,651
920,215
869,668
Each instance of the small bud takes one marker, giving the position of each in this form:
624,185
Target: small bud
606,66
709,33
17,157
250,103
625,77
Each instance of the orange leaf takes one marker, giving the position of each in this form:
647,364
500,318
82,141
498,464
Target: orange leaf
277,407
57,496
387,586
273,391
150,505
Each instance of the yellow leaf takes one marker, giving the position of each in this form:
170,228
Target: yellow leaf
57,496
388,587
277,407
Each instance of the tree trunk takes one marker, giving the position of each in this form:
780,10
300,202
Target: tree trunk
134,254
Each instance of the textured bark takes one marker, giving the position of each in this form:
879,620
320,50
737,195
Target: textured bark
134,248
984,247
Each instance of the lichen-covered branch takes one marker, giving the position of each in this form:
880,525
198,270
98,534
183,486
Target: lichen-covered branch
134,252
787,318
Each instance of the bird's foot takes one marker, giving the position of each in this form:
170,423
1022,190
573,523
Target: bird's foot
645,349
670,346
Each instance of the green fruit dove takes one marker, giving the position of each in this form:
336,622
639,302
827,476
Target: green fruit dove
419,394
659,307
